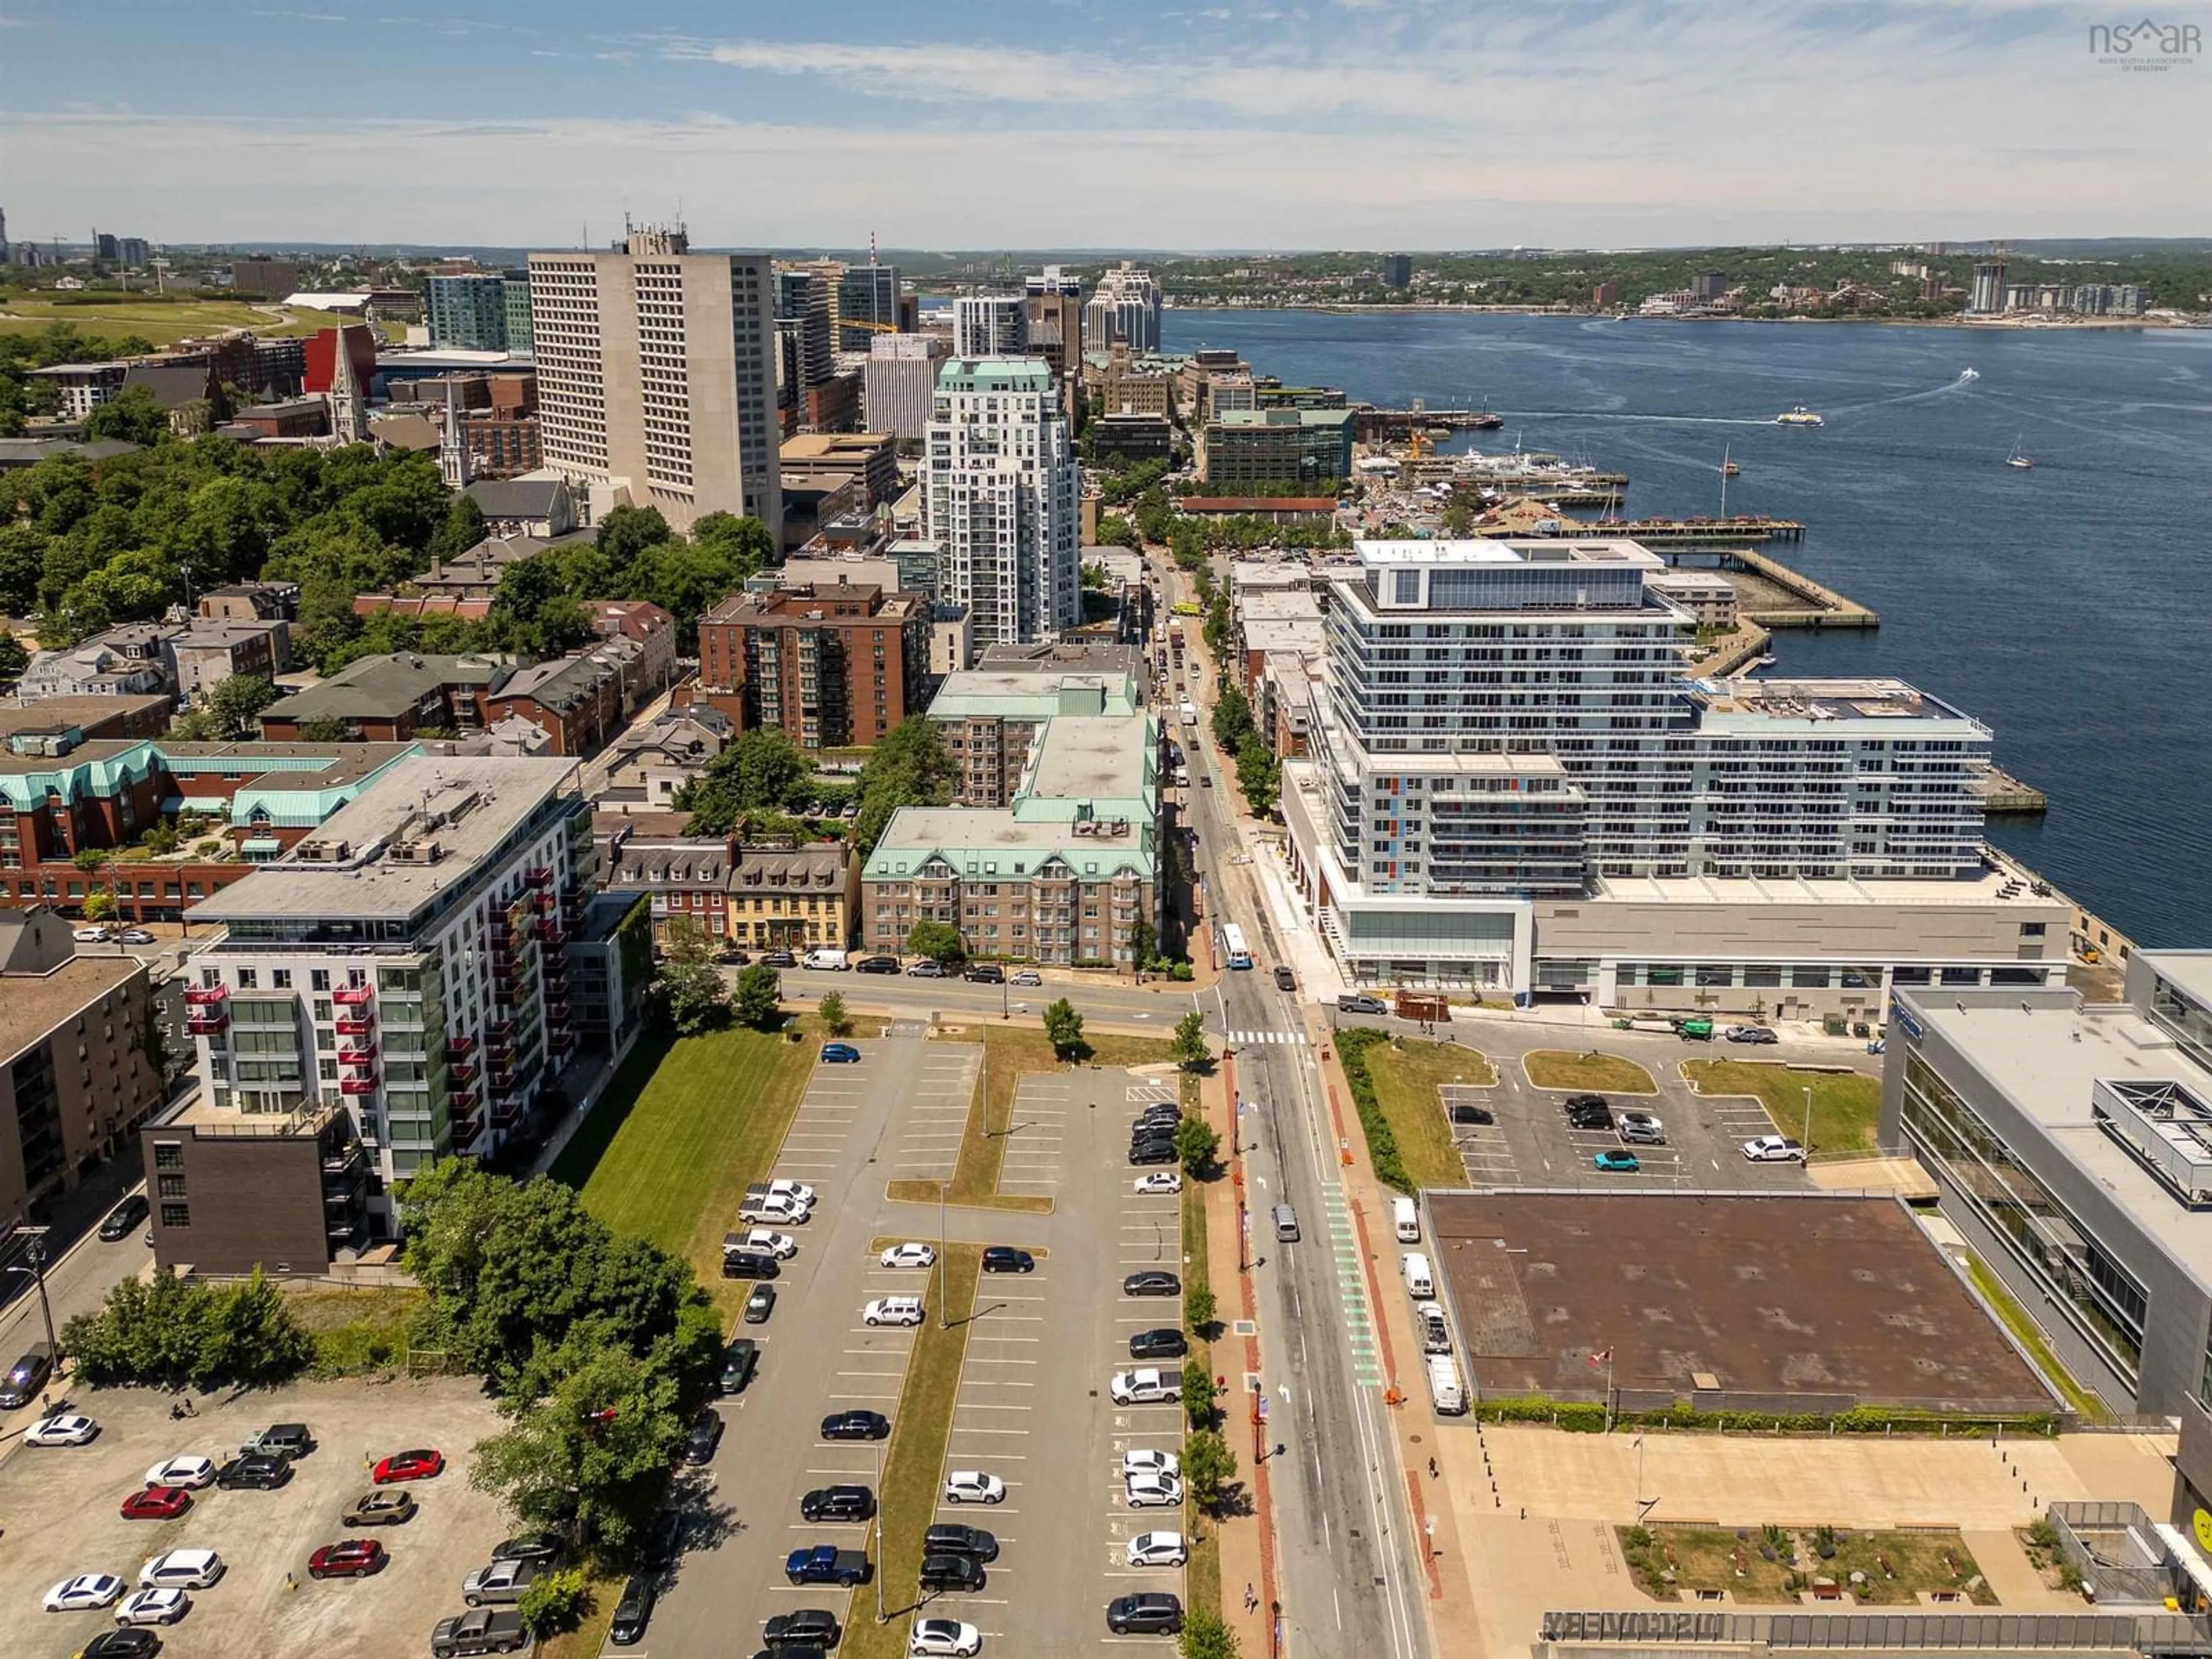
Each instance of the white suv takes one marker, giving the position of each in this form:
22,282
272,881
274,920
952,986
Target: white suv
1153,1492
974,1486
893,1310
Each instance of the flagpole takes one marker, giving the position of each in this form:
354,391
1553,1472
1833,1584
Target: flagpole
1608,1390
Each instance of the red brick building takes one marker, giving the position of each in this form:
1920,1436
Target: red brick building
832,667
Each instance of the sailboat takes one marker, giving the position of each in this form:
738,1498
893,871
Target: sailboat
2016,459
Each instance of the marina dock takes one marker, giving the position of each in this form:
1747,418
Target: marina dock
1824,607
1680,532
2002,792
1370,424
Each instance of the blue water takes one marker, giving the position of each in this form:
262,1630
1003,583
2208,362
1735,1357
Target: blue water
2065,607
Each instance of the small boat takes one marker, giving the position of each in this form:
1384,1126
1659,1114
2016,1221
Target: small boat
1969,374
1799,415
1729,468
2016,459
1767,661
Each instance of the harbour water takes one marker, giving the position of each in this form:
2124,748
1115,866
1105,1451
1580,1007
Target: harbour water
2066,607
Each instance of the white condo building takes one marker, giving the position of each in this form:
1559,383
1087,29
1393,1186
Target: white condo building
1002,499
1514,782
657,377
1123,310
405,962
990,325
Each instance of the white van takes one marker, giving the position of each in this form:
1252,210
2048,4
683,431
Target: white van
1420,1284
824,958
1407,1216
1444,1390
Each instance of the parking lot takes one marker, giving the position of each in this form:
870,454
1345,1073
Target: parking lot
60,1508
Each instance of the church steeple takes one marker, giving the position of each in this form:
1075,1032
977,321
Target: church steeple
348,404
452,447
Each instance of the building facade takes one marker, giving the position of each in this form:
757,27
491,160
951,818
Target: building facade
830,667
1123,310
467,313
867,304
1238,446
656,378
898,388
806,352
989,716
990,325
1001,490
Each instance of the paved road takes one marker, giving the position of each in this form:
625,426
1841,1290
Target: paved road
1341,1528
1097,996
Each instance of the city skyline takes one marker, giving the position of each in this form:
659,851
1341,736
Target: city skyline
1283,126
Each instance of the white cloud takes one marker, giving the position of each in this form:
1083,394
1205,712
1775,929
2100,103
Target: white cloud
950,73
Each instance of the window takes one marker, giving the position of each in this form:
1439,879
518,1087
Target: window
170,1186
176,1215
1809,978
2031,930
281,979
169,1155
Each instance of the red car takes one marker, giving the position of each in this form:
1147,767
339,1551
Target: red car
356,1558
156,1504
409,1466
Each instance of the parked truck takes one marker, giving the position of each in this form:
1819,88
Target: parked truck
825,1563
485,1630
1445,1392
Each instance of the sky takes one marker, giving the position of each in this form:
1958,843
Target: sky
1138,123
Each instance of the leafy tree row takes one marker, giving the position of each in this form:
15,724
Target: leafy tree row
166,1331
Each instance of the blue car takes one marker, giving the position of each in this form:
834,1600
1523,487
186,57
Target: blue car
840,1053
1617,1162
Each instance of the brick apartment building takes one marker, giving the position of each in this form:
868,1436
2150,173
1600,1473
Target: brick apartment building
834,667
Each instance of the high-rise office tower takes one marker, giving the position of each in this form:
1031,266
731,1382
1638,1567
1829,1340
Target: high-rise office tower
1125,311
514,286
898,383
467,313
1987,297
1397,269
805,353
655,374
1003,488
990,325
1055,300
867,305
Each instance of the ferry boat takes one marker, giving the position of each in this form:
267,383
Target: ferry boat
1799,415
1969,374
2016,459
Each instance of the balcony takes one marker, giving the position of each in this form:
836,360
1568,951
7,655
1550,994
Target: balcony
557,1012
354,996
357,1026
358,1086
563,1041
208,1024
464,1072
499,1030
464,1133
463,1100
537,875
361,1055
459,1047
549,933
204,995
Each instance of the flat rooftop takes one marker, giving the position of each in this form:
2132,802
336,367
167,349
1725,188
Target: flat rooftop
1278,602
1822,700
1985,887
467,807
1505,552
2047,1053
32,1005
1092,757
1811,1296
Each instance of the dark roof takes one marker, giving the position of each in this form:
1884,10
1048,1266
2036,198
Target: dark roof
29,451
517,498
172,388
384,687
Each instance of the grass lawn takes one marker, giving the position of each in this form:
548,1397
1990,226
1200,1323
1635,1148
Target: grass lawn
357,1330
1846,1105
1407,1075
163,321
914,1464
1897,1565
589,1639
683,1129
1010,1052
1605,1074
2025,1332
1704,1558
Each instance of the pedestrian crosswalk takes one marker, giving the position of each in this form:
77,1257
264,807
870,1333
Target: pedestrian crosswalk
1245,1038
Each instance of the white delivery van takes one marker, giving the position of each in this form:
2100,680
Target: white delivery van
824,959
1444,1390
1419,1283
1435,1336
1407,1216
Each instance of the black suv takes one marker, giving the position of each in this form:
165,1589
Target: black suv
751,1264
1284,979
1005,1259
261,1474
124,1218
632,1612
985,973
1588,1112
1152,1151
778,959
1466,1112
951,1573
1155,1613
877,966
949,1539
809,1627
702,1436
542,1549
837,1504
1165,1344
856,1425
739,1361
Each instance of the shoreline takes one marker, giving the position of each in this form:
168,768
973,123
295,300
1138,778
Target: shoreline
2015,325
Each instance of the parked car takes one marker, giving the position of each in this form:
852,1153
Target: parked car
943,1638
1640,1128
632,1612
1467,1111
764,1241
487,1630
26,1378
840,1053
700,1439
187,1471
850,1504
153,1606
423,1464
255,1473
380,1509
499,1584
927,969
893,1310
1157,1149
949,1538
1773,1149
181,1569
1284,979
974,1486
1156,1549
1150,1386
1166,1343
749,1264
1750,1034
740,1357
877,966
85,1593
825,1563
133,936
124,1219
545,1548
1357,1004
66,1430
356,1558
285,1440
1614,1161
795,1192
778,959
768,1206
1152,1613
1146,1460
910,1254
1160,1181
88,935
985,973
1007,1259
808,1627
130,1642
760,1304
1152,1281
1025,976
156,1504
952,1572
856,1425
1152,1492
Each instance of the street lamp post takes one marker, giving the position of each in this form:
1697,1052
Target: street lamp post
1807,1142
35,1253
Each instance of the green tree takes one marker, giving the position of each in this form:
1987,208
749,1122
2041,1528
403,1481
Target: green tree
555,1601
167,1332
1196,1145
250,1337
1459,518
626,531
1232,720
908,768
1198,1392
1187,1047
99,905
742,544
1208,1467
760,773
531,615
236,702
760,998
834,1014
1143,941
1197,1310
1063,1028
697,1000
1206,1636
461,529
939,941
1260,775
133,414
323,729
